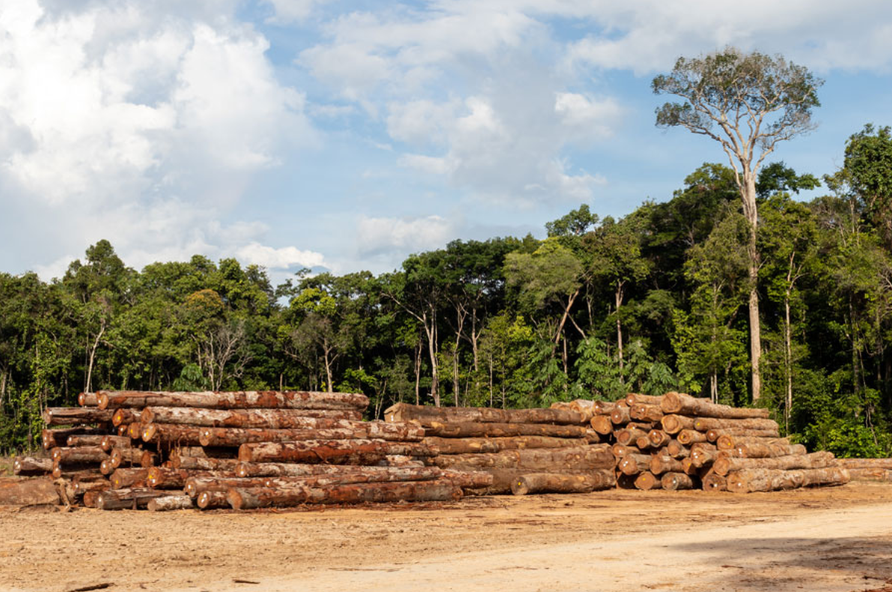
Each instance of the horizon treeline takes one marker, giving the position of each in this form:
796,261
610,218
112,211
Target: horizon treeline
652,302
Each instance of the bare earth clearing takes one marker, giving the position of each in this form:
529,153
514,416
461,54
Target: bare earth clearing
817,540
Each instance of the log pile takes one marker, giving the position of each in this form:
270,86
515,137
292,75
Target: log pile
522,450
869,469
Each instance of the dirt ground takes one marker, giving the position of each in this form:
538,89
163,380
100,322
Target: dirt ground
833,539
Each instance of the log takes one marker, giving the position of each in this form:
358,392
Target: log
769,450
499,430
305,400
87,400
602,424
350,431
703,455
74,471
402,412
75,416
876,475
563,483
658,438
632,464
134,431
170,502
646,481
243,418
109,442
414,491
620,450
672,424
192,463
123,430
644,443
660,464
687,466
80,454
677,450
210,499
688,437
128,478
77,440
633,399
126,456
675,481
650,413
749,480
714,434
195,486
584,458
470,445
82,487
866,463
817,460
712,481
621,415
25,491
730,442
628,436
59,437
604,407
106,468
124,416
680,403
347,478
127,498
169,478
90,497
32,465
469,479
704,424
252,470
171,435
148,459
330,451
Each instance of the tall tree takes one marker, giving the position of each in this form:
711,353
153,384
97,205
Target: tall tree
748,103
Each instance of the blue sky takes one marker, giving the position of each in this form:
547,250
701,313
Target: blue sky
346,135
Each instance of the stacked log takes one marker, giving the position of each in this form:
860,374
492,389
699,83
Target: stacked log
868,469
522,450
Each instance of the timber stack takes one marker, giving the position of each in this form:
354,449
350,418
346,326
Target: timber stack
676,441
522,450
869,469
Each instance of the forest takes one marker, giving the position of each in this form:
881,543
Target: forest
651,302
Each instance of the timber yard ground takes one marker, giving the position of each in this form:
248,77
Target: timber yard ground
827,539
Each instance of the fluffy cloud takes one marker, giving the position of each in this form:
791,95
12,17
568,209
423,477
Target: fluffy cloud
283,258
117,123
403,235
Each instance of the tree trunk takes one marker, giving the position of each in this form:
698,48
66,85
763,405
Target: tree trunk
194,463
75,416
633,464
350,431
129,478
660,464
81,454
242,418
439,490
170,502
704,424
169,478
619,329
330,451
730,442
771,450
714,434
78,440
488,445
234,400
679,403
499,430
748,193
127,499
816,460
672,424
563,482
30,465
748,480
712,481
646,481
535,460
866,463
675,481
403,412
171,435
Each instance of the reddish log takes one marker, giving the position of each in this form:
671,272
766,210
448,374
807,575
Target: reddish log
106,468
650,413
134,431
563,483
171,435
646,481
583,458
817,460
192,463
866,463
658,438
712,481
79,440
109,442
126,456
688,437
59,437
672,424
88,400
687,466
127,498
124,416
677,450
749,480
82,487
633,399
31,465
704,424
602,424
876,475
148,459
350,430
330,451
242,418
195,486
469,479
632,464
404,412
675,481
731,442
469,445
347,478
234,400
427,491
660,464
620,415
170,478
714,434
123,430
644,443
80,454
683,404
124,478
766,450
75,416
499,430
212,499
73,471
604,407
170,502
26,491
628,436
620,450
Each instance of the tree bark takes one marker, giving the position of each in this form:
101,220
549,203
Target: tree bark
866,463
75,416
704,424
81,454
243,418
59,437
712,481
31,465
535,460
487,445
88,399
602,424
766,450
731,442
125,456
749,480
500,430
646,481
816,460
679,403
109,442
349,431
715,433
192,463
170,502
646,413
530,483
129,478
632,464
414,491
688,437
127,499
234,400
329,451
673,424
405,412
79,440
660,464
169,478
676,481
171,435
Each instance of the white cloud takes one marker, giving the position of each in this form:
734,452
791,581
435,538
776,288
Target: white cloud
591,117
282,258
294,10
381,235
126,122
